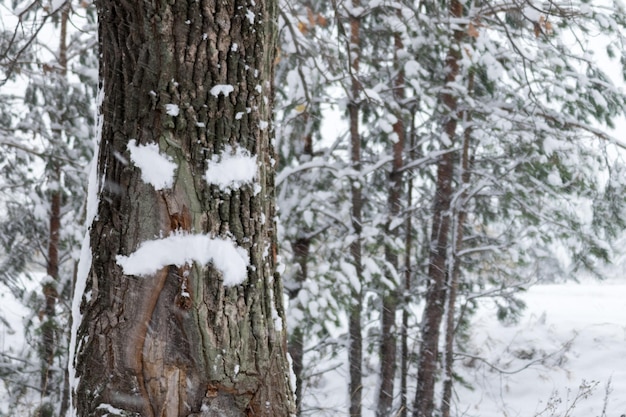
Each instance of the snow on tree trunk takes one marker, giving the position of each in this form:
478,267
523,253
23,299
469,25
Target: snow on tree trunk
186,174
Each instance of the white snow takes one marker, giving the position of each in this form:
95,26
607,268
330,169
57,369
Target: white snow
412,68
250,16
224,89
180,249
13,317
570,335
109,408
598,98
84,263
172,109
292,376
231,169
532,12
156,169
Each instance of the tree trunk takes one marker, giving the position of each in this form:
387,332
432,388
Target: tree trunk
388,339
455,268
301,249
355,354
408,246
194,78
437,267
49,328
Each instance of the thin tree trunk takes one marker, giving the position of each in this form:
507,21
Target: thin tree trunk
437,268
354,324
65,395
455,269
49,331
408,245
388,339
355,355
194,79
49,328
404,359
301,250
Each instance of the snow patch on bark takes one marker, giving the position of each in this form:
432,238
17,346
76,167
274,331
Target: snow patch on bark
156,169
224,89
231,169
109,408
172,109
180,249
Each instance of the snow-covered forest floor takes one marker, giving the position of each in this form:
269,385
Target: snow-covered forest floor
570,338
566,356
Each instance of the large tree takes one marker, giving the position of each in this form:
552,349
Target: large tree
181,309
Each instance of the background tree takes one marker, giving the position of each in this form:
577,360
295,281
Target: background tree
45,134
505,175
476,81
300,84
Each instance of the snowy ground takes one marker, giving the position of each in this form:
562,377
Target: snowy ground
13,317
570,335
565,357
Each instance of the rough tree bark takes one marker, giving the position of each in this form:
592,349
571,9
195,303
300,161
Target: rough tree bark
179,342
439,240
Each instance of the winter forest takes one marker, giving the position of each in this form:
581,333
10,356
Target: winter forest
356,208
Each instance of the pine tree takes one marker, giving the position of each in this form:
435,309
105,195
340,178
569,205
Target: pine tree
510,188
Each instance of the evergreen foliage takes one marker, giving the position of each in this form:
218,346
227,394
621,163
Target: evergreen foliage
48,90
529,99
